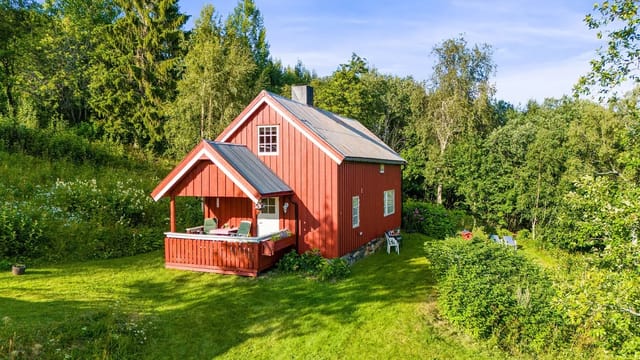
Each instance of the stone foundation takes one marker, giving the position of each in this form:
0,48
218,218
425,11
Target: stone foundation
364,250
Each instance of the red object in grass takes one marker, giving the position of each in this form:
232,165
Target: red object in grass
467,235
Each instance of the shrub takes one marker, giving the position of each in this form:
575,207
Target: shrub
334,269
59,145
311,263
21,236
602,307
429,219
495,293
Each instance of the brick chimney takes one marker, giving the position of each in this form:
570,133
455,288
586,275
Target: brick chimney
302,94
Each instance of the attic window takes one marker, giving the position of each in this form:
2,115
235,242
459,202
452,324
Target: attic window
381,168
267,140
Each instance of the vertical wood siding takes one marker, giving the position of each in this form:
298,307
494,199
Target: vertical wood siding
231,211
219,256
366,181
309,172
206,179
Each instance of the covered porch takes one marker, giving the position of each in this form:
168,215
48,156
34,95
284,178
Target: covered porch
246,256
235,187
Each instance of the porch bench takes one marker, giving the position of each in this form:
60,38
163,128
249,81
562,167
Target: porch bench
195,230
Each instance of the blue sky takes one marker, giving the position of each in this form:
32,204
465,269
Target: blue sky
540,48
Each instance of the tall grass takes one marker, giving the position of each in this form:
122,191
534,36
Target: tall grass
64,207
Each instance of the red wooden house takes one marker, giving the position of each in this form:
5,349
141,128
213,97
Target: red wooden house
284,165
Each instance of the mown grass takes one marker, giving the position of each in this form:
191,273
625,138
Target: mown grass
385,309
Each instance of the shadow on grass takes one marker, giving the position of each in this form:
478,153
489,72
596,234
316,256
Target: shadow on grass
200,315
227,311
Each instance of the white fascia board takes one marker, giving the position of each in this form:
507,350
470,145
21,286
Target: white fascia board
190,164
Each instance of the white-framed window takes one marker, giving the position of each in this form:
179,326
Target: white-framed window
267,140
355,211
268,206
389,202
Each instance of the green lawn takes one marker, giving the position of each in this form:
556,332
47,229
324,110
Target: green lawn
384,310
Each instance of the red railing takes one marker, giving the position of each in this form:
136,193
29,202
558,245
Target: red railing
219,254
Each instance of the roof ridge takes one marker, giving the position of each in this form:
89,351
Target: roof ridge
213,142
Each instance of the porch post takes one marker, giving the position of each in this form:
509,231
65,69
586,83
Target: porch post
172,214
254,220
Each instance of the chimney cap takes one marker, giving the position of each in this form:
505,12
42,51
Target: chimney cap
302,94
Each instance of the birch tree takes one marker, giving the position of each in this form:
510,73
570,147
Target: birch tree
458,103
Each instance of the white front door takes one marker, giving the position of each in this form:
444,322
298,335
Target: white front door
269,217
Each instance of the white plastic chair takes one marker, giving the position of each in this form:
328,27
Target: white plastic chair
509,241
391,242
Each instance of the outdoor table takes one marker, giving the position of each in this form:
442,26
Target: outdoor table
223,231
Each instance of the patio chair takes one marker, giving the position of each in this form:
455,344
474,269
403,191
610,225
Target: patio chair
391,242
209,224
509,241
244,228
396,234
496,239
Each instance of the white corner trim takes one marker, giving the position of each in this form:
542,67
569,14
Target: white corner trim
304,132
190,164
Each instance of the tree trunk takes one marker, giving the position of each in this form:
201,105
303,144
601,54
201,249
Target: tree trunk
439,194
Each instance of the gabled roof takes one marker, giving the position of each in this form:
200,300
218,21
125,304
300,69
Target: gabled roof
237,162
338,137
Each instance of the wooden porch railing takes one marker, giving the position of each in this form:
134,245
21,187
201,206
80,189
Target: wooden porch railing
219,254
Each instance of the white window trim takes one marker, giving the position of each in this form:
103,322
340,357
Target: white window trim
269,204
353,213
392,206
269,153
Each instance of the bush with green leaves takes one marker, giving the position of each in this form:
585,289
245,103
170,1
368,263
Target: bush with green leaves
431,219
601,299
311,263
495,293
596,214
108,220
55,145
21,234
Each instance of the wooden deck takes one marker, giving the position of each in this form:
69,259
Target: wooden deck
246,256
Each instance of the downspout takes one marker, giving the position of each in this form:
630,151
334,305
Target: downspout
297,227
401,194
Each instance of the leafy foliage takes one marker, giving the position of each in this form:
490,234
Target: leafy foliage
311,263
213,88
495,293
102,211
431,219
21,236
457,105
601,305
618,22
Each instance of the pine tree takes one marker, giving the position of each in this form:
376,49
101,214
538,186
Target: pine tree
135,73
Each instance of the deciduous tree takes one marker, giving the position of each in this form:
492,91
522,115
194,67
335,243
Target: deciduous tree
459,103
618,23
215,85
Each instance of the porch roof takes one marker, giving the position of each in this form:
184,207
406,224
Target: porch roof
237,163
254,171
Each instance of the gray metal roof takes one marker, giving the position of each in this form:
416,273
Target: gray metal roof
347,136
263,179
